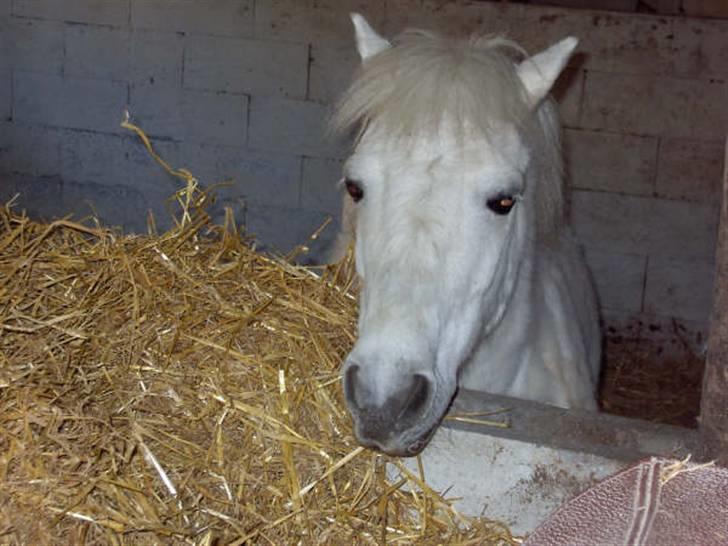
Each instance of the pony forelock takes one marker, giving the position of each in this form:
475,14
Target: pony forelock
425,78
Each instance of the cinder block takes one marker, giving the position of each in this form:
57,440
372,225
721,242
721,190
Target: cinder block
638,225
95,105
143,171
33,45
246,66
609,222
324,22
610,42
655,105
156,58
97,52
216,118
290,126
619,279
217,17
683,230
567,93
281,230
709,43
30,150
48,198
610,5
193,116
4,8
40,197
610,162
101,12
320,188
7,188
459,19
115,205
331,71
158,109
541,26
690,170
93,158
680,288
256,178
637,44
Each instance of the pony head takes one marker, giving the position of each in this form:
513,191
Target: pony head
452,181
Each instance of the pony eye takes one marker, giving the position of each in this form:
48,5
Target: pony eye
354,189
501,204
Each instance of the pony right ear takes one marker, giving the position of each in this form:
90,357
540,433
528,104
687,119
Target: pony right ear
368,42
538,73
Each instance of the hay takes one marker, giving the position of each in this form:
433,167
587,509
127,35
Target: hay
184,389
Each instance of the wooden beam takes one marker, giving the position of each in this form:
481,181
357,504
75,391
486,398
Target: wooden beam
714,404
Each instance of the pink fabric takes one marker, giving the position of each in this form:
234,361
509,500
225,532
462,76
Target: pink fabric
639,506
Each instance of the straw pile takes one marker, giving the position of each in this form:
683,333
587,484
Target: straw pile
184,389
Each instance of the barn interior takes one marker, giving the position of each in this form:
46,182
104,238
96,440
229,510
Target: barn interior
238,92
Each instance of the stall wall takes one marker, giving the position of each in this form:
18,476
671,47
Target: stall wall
239,90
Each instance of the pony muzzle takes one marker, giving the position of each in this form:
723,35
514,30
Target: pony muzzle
392,416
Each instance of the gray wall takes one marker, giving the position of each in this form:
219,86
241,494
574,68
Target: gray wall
239,89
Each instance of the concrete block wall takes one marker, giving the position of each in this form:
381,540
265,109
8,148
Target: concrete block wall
240,89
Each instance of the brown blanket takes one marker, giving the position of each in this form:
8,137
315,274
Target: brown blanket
656,502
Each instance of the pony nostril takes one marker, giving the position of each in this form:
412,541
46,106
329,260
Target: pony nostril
418,399
350,385
405,406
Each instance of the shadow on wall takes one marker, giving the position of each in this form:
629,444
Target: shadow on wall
129,209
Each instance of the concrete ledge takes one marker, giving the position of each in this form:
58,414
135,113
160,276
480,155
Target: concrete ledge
597,433
519,475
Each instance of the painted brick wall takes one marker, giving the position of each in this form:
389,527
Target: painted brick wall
239,90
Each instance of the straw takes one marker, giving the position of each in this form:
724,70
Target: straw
183,388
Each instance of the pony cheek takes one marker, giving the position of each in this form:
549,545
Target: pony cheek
457,339
359,257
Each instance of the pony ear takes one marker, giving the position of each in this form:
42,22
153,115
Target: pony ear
368,42
538,73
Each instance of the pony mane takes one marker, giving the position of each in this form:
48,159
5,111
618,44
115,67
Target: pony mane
410,88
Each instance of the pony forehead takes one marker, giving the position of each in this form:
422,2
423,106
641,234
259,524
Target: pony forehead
440,153
425,80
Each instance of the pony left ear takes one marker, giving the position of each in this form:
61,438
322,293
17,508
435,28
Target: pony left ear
368,42
538,73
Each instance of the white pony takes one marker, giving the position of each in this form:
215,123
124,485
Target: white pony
470,275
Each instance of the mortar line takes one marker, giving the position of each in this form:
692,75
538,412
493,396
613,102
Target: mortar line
12,95
247,120
582,98
183,64
644,284
299,198
129,58
254,9
64,51
309,62
656,173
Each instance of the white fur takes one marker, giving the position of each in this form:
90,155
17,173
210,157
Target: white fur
452,291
